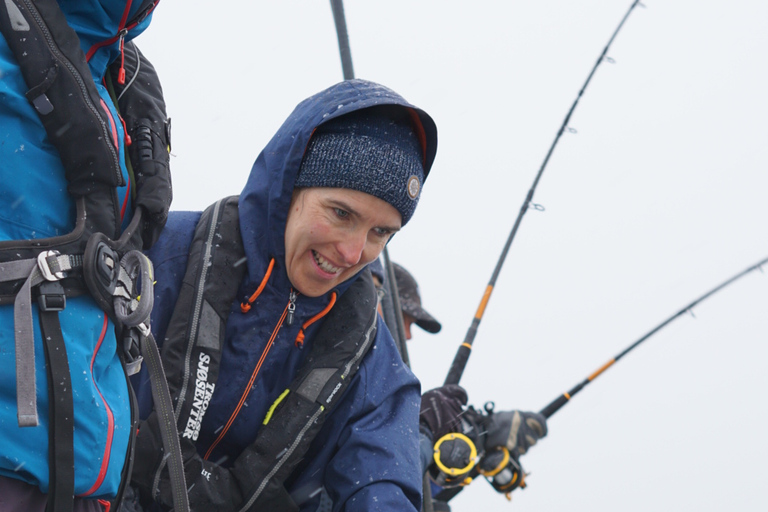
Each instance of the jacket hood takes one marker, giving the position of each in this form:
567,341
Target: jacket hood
265,200
99,23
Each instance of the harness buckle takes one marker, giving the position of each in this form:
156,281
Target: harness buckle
144,328
51,296
45,267
132,351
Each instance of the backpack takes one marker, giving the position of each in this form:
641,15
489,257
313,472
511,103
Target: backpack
71,430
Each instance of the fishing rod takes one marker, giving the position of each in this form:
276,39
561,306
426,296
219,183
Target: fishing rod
345,52
462,354
560,401
498,466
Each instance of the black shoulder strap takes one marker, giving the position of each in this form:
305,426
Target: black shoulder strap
192,350
55,70
191,353
61,88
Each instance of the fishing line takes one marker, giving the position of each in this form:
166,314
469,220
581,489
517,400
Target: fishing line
560,401
462,354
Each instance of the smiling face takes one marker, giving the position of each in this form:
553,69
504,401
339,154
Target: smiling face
332,233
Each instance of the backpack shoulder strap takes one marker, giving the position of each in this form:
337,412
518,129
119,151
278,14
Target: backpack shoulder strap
192,350
54,68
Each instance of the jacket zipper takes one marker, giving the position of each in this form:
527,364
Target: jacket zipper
249,386
291,308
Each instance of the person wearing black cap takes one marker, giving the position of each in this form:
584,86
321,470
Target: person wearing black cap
287,384
410,303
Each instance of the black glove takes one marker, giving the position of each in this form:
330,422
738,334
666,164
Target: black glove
142,106
516,430
441,410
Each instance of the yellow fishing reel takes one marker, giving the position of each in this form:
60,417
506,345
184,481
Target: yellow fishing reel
455,457
502,471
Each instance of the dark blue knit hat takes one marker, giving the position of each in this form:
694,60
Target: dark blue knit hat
374,150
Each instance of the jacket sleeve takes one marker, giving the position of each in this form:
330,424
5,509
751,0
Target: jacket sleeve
377,466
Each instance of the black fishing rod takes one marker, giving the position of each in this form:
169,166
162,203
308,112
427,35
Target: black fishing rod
462,354
341,32
503,471
560,401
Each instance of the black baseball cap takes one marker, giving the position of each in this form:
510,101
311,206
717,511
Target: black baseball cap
410,300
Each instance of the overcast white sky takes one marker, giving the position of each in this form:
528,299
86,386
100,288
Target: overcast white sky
658,197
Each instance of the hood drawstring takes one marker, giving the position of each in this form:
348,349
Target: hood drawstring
300,337
246,306
121,71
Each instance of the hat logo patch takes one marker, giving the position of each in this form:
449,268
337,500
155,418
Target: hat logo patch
413,187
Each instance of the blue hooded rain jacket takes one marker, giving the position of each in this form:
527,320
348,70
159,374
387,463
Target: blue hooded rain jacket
35,204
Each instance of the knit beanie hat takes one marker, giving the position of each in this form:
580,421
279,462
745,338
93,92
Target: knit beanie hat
371,150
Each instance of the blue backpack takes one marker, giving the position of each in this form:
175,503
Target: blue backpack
73,217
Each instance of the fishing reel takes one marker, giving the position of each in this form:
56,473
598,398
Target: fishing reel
455,458
502,470
456,454
459,457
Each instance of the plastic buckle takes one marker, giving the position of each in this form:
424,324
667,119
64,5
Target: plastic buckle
45,269
107,267
51,296
144,329
132,352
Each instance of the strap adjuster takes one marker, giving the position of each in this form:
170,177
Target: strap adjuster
45,269
51,296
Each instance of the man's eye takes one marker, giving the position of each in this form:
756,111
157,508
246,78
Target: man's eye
341,213
382,231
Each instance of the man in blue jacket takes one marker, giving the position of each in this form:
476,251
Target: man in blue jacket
311,392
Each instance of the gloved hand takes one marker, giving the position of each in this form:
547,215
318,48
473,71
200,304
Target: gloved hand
441,410
517,430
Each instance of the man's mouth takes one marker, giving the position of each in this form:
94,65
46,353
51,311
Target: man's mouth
324,264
